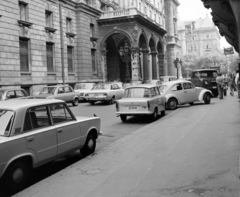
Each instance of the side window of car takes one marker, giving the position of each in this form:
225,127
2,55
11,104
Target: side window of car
186,86
146,93
177,87
67,89
60,113
153,92
10,95
116,87
19,94
191,86
157,91
60,90
36,117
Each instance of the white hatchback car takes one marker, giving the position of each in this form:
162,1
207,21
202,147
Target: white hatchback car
143,99
182,92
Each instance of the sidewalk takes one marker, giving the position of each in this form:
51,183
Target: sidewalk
192,152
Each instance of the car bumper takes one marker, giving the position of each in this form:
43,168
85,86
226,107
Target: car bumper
133,113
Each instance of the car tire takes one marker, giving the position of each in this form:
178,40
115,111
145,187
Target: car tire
207,98
92,102
123,118
154,116
89,146
191,103
16,176
75,102
172,104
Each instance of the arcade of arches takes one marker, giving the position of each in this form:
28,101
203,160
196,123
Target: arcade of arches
123,61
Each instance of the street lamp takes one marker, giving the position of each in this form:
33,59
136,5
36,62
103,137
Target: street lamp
178,64
124,52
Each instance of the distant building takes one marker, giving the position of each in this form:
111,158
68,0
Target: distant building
50,42
199,37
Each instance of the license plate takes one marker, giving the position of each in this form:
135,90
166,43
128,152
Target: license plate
95,94
132,107
214,87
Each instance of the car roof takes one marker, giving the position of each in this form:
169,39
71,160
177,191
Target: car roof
14,104
176,81
10,89
167,76
149,85
58,86
198,70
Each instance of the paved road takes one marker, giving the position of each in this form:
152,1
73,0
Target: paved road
191,152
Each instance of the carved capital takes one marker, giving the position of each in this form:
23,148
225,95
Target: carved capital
226,6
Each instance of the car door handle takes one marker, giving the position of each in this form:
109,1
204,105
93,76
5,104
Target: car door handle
59,130
30,139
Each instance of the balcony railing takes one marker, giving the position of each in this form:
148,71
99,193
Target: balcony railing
125,12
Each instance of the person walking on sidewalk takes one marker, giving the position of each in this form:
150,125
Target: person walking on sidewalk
237,82
220,81
231,84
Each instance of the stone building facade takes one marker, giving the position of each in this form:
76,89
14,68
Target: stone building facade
50,42
199,37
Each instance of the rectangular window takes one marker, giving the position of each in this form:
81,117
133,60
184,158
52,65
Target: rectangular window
50,56
93,55
23,8
49,18
70,58
92,30
60,113
24,54
69,24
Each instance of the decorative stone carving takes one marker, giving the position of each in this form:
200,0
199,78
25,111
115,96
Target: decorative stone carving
134,32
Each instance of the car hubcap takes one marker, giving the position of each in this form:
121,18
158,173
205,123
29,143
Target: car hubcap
172,104
90,144
18,175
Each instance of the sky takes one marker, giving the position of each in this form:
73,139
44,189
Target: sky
194,9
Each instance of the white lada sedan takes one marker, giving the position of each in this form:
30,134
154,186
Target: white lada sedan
36,131
144,99
183,92
105,92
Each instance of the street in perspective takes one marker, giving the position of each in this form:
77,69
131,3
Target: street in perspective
119,98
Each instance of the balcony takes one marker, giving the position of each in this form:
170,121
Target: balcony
125,13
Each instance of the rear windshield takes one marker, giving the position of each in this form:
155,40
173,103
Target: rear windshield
6,119
137,93
83,86
163,89
204,74
102,87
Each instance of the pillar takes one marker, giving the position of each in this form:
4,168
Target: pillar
104,65
135,62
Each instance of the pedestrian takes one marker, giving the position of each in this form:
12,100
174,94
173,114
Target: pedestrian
225,84
237,82
234,84
231,84
220,81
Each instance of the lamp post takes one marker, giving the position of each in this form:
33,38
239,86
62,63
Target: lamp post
124,52
178,64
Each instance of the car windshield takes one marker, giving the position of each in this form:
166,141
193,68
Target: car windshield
6,119
205,74
102,87
83,86
48,90
163,89
1,95
137,93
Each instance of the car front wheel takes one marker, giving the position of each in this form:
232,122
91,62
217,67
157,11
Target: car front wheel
172,104
16,175
207,98
89,146
75,102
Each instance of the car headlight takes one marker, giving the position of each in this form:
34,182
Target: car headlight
205,82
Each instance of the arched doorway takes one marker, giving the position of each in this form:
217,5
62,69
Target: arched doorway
118,58
153,60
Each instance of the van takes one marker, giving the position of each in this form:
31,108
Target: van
205,78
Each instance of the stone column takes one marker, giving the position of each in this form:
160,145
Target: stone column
145,65
104,65
161,65
135,62
154,65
